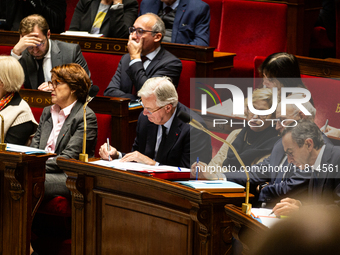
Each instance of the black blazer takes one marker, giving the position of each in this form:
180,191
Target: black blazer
164,64
115,24
183,145
70,140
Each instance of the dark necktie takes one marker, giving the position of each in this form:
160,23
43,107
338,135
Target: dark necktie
41,77
166,10
162,144
144,58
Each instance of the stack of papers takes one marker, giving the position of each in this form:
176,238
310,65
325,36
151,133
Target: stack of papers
265,216
116,163
214,186
24,149
81,33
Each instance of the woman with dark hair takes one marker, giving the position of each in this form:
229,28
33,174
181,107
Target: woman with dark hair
61,125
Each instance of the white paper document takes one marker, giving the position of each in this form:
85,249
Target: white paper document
24,149
265,217
81,33
116,163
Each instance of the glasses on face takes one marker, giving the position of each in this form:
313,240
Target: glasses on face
150,111
139,31
38,45
53,84
289,154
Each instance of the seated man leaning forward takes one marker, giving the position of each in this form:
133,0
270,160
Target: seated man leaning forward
38,54
306,149
146,59
162,138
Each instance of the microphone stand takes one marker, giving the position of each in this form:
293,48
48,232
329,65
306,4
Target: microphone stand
3,145
83,156
246,207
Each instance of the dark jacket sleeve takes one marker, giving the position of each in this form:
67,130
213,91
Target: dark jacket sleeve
20,134
202,27
80,10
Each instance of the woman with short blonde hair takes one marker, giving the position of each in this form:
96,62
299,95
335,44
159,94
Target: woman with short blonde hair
19,122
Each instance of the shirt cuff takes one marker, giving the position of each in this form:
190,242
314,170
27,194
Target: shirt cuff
134,61
117,6
16,56
120,156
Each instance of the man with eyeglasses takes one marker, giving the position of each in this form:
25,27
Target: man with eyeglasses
162,138
38,54
146,59
305,148
186,21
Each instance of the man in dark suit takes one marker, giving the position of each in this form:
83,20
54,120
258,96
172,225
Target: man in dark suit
186,21
38,54
306,149
13,11
146,59
119,15
162,138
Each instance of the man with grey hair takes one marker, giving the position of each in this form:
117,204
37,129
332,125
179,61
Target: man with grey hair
146,59
162,138
305,148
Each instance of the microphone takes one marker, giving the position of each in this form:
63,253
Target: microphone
92,94
3,145
186,118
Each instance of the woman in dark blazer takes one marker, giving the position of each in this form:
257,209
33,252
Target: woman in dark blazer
120,15
61,125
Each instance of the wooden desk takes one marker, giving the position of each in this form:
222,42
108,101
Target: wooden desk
117,212
207,62
123,118
21,191
245,228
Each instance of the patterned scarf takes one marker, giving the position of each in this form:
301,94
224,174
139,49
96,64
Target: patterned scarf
6,99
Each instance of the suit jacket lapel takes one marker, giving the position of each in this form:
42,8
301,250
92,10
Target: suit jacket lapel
56,56
178,18
47,131
67,123
151,140
155,61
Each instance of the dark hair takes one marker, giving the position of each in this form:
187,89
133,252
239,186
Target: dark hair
27,24
75,77
303,130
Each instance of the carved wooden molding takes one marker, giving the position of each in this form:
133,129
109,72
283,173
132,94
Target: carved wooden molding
76,184
13,176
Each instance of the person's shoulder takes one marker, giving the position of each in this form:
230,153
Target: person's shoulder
197,4
168,56
63,45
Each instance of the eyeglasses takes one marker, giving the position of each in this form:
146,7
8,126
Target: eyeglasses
38,45
289,154
139,31
262,117
150,111
54,83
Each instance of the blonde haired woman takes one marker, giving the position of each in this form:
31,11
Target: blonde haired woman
19,120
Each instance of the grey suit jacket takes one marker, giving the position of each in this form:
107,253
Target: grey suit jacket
70,140
61,53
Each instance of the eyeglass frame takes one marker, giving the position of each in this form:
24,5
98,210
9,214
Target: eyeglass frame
140,31
54,84
38,45
150,112
262,117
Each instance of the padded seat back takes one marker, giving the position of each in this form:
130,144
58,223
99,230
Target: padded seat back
102,67
71,5
5,50
251,29
215,20
183,89
104,131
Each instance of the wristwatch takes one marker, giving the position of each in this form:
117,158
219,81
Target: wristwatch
117,6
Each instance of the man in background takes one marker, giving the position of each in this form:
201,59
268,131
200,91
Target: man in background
146,59
186,21
38,54
13,11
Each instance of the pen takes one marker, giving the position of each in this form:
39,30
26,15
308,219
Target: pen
179,169
271,213
326,126
198,159
108,147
